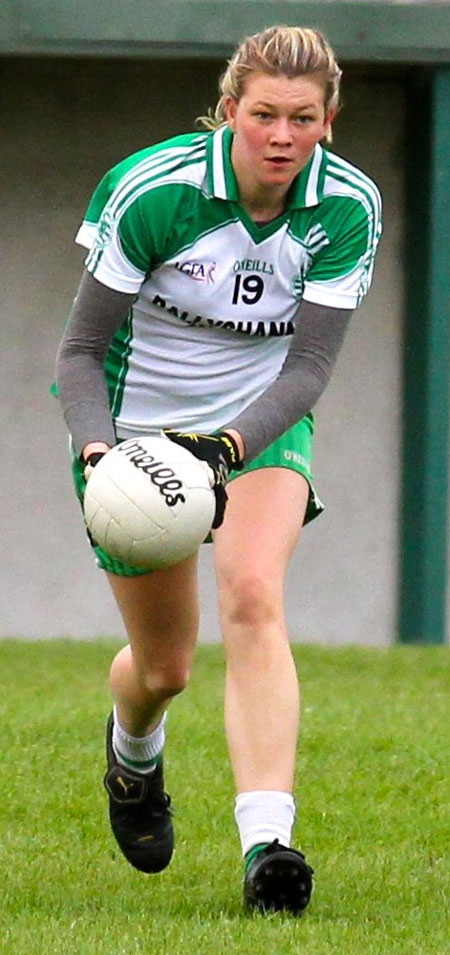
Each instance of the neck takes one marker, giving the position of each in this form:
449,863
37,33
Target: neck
262,203
263,208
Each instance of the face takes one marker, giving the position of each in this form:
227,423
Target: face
276,124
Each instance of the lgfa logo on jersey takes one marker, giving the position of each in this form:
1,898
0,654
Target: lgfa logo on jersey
197,270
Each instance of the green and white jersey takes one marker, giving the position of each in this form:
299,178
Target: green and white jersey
218,294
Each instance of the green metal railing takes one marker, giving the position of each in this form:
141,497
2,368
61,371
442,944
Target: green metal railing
363,31
424,498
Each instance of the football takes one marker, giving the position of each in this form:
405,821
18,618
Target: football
149,502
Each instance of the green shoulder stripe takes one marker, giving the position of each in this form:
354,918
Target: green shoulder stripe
128,168
160,167
346,180
167,219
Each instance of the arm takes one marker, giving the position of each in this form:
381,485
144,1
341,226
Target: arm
315,345
97,314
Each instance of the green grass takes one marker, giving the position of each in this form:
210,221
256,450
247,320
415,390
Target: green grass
373,799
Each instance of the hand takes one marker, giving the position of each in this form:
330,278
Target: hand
221,452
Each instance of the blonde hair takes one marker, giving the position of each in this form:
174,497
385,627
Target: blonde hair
278,50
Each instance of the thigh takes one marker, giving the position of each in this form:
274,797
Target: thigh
159,610
264,516
293,451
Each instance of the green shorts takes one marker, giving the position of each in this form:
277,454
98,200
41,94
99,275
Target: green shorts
292,450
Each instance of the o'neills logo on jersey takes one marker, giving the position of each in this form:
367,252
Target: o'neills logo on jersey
197,270
160,475
253,265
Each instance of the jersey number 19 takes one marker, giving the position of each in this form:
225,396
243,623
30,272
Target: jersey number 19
248,289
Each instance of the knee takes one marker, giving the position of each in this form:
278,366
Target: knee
163,684
250,600
148,677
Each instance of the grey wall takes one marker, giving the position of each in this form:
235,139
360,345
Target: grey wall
64,123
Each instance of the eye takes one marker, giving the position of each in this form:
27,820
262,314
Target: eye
303,119
262,114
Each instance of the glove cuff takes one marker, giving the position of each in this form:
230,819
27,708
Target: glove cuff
235,464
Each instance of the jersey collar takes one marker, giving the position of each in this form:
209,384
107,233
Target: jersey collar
306,190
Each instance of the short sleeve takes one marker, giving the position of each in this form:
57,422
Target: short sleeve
121,252
341,273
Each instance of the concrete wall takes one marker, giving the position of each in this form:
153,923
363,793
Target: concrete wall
64,123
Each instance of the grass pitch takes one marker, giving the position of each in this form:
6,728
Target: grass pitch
372,791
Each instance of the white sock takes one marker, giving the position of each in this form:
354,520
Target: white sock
264,815
139,753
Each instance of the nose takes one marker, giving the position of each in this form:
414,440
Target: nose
281,131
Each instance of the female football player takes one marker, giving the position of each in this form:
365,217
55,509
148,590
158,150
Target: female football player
222,270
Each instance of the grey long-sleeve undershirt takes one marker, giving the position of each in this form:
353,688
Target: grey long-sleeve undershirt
98,313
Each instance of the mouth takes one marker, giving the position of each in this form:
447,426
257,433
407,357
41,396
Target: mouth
279,162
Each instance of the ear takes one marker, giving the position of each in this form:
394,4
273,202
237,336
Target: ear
230,111
330,116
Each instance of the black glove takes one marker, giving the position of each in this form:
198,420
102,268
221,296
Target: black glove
90,462
221,452
89,465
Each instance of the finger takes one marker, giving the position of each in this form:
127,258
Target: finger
221,503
